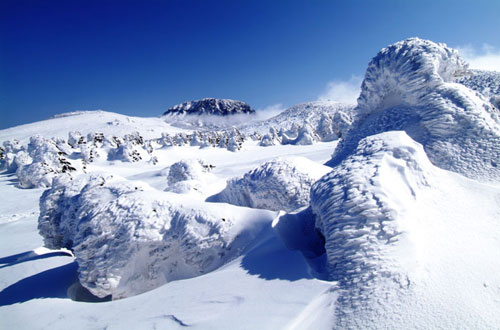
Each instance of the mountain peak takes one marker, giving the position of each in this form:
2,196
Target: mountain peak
210,106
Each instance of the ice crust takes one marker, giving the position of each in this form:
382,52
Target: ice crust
129,238
410,86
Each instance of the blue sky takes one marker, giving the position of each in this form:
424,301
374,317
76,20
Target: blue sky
141,57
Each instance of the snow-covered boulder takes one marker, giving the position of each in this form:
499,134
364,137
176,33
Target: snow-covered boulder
128,238
410,86
43,161
280,184
361,208
306,136
188,175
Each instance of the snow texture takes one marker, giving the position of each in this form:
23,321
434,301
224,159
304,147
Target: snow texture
486,83
280,184
129,238
410,86
360,210
330,120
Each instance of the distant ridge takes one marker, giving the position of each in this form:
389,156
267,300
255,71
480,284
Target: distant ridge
210,106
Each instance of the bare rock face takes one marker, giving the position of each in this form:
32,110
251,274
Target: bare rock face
211,106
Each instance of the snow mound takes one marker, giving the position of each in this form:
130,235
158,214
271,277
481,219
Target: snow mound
280,184
128,238
188,175
410,86
360,209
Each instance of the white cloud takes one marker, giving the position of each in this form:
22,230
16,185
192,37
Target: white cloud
270,111
342,91
486,58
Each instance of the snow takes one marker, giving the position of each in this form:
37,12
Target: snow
87,122
402,239
128,238
410,86
280,184
266,277
109,221
486,83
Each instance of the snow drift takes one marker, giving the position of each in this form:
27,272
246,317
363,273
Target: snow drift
280,184
410,86
404,239
129,238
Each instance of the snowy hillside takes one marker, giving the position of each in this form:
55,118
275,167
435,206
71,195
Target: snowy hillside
86,122
243,226
331,118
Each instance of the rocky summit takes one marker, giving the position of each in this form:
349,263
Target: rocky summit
211,106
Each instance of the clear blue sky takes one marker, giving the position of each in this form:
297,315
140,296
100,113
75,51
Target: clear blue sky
141,57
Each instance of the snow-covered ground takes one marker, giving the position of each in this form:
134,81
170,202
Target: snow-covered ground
153,226
267,287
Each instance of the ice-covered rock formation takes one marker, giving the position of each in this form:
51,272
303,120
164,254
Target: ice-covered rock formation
410,86
360,208
129,238
485,82
280,184
188,175
42,161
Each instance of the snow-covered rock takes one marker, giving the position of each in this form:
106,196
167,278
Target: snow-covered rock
280,184
306,136
187,175
410,86
405,241
129,238
43,160
360,208
485,82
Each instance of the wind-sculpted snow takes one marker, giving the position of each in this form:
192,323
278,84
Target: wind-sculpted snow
485,82
280,184
410,86
129,238
360,209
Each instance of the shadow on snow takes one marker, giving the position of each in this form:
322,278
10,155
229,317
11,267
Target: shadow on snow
270,259
29,256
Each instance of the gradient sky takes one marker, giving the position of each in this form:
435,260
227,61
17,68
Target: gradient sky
141,57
